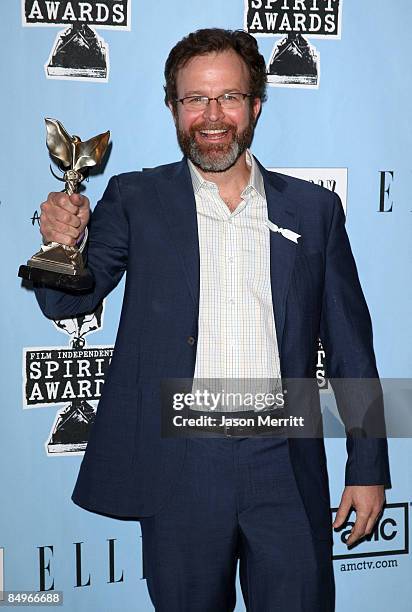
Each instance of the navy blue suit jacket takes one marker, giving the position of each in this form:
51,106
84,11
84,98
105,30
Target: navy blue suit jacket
146,225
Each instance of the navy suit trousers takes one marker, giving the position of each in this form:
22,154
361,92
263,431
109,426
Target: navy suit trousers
236,500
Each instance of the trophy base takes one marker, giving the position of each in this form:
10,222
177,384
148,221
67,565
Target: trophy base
57,280
59,267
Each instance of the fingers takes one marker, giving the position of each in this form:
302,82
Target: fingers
368,503
343,511
63,218
363,526
359,528
76,199
374,514
60,214
371,522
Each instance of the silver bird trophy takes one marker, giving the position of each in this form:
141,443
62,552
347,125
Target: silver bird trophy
57,265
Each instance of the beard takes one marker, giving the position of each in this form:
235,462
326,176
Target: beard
215,156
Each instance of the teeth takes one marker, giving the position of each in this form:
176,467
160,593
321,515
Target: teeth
214,131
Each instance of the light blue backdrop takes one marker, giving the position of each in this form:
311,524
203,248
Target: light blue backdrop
359,118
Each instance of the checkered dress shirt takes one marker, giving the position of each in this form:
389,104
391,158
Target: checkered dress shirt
237,335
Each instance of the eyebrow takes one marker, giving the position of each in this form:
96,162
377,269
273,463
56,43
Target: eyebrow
198,93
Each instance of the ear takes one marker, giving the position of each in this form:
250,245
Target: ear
172,110
256,107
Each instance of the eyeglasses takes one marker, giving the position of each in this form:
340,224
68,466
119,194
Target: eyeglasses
226,100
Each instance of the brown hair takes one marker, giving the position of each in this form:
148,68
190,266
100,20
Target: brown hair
217,40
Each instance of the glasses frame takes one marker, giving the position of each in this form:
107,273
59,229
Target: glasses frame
245,95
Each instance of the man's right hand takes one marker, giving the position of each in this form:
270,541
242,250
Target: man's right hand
63,218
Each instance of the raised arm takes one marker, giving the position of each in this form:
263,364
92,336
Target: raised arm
63,219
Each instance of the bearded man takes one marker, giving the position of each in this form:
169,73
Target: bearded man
233,272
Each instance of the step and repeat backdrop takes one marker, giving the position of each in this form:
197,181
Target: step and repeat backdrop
337,114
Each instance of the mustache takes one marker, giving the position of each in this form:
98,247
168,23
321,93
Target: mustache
212,126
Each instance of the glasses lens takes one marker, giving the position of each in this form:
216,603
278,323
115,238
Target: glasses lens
231,100
228,100
195,102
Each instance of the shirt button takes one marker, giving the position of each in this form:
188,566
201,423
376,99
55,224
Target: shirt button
231,301
231,259
191,340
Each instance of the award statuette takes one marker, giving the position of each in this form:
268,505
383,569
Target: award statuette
57,265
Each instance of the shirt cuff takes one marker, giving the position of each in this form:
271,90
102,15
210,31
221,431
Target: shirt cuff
81,243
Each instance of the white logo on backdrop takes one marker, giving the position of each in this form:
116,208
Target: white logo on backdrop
78,52
334,179
294,61
72,376
390,535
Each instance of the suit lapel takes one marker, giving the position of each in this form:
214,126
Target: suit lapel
179,209
283,213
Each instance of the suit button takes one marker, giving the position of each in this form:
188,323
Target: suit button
191,340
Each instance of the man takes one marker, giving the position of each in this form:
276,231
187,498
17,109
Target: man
212,292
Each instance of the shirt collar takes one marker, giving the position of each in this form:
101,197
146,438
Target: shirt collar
255,183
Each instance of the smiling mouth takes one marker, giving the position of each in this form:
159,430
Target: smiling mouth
213,134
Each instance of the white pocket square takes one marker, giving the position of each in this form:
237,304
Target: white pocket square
286,233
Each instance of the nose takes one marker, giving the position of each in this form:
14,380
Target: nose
213,111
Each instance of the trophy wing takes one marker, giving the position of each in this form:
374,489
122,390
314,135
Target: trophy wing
59,142
90,152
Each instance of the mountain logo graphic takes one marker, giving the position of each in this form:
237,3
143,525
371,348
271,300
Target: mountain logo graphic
294,61
78,52
72,376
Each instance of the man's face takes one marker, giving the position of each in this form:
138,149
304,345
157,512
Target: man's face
214,138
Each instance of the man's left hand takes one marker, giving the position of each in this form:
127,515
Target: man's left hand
367,502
